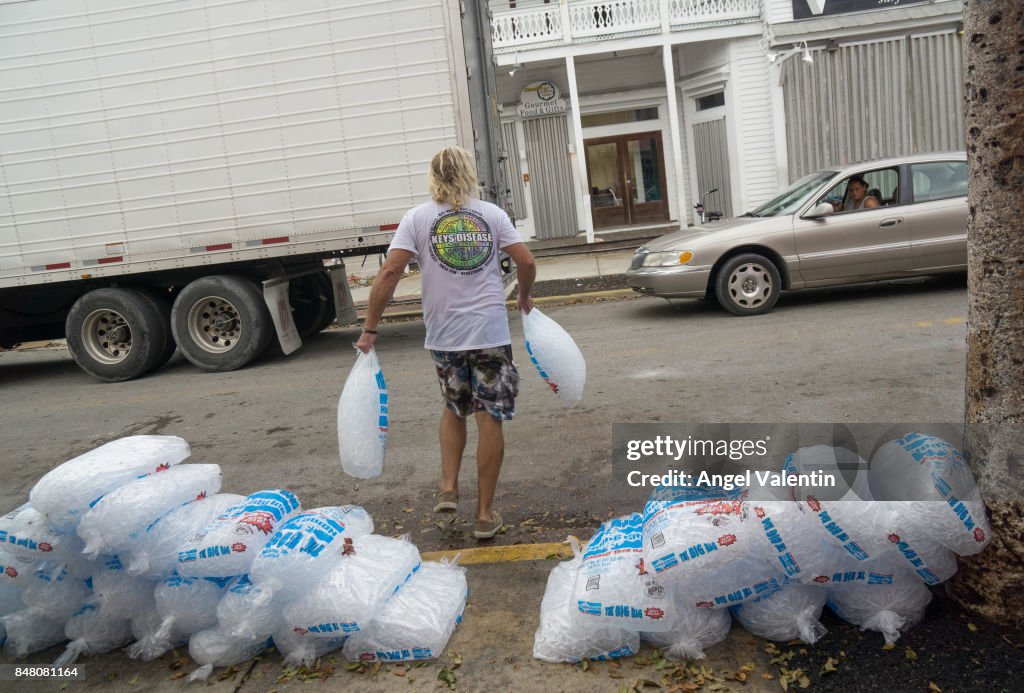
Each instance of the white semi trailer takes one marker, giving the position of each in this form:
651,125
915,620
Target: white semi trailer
173,173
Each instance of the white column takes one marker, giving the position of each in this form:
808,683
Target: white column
583,215
673,125
779,124
566,29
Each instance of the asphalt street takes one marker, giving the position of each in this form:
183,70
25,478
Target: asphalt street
884,353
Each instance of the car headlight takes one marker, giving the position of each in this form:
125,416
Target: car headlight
668,259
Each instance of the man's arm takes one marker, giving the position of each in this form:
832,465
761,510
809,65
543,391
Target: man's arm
381,293
526,273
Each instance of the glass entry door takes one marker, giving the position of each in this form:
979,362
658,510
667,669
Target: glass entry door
626,176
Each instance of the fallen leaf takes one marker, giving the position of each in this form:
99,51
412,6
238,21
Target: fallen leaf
971,627
804,681
446,676
911,655
933,688
889,646
407,510
177,675
767,677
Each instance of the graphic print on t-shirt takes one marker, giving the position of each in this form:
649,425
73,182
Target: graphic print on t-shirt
461,241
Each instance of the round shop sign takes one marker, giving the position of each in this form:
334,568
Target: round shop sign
540,99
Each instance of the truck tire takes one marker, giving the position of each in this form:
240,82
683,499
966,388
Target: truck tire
115,334
163,308
221,322
312,301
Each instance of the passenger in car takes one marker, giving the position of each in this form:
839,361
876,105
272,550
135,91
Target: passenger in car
857,197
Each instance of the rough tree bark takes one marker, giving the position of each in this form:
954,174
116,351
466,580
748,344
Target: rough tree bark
992,584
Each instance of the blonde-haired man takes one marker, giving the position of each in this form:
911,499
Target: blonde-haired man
456,238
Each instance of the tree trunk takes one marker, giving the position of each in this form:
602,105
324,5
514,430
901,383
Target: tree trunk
992,583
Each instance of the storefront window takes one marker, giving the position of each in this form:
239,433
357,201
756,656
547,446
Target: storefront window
617,117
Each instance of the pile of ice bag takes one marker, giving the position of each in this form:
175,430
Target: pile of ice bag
130,545
773,559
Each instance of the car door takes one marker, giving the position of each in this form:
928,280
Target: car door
857,245
937,215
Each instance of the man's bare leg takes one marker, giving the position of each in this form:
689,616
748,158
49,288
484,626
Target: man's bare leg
453,443
490,451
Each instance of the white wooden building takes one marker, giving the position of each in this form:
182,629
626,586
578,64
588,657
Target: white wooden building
622,114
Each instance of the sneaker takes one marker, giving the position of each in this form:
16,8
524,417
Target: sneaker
487,530
447,502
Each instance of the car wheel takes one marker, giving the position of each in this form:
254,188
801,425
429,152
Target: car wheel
115,334
748,284
221,323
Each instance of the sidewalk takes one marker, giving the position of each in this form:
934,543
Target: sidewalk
557,276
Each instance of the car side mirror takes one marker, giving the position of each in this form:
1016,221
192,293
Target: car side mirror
822,210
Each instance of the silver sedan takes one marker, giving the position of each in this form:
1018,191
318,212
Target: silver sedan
868,222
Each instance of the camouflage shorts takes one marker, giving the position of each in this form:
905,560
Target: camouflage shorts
478,380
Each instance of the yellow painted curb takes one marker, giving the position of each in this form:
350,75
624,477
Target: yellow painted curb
503,554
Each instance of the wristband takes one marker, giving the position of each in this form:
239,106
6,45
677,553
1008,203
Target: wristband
369,331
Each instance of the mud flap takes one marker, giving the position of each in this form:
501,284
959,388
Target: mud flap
275,295
343,306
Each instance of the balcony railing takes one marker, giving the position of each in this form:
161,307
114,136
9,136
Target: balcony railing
589,20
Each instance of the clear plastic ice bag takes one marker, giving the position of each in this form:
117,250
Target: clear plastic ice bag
793,612
415,623
363,418
346,599
556,356
691,630
120,519
92,631
890,608
185,606
561,637
304,649
214,648
690,531
155,555
304,548
65,493
25,533
615,586
847,515
931,492
227,546
31,630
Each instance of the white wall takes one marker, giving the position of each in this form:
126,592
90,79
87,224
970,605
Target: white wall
778,11
697,57
753,110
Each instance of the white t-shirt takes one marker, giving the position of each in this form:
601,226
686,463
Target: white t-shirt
457,251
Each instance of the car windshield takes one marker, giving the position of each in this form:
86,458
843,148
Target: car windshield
794,196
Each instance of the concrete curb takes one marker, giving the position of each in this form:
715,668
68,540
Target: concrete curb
542,301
